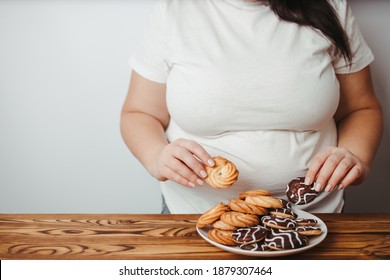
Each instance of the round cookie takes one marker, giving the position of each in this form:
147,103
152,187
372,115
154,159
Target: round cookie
308,230
212,215
249,234
264,201
299,193
239,219
222,175
278,222
245,194
241,206
283,212
285,240
223,237
222,225
257,246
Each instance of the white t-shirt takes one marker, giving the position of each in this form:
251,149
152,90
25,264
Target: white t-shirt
249,87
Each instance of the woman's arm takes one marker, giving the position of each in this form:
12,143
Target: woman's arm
144,119
360,125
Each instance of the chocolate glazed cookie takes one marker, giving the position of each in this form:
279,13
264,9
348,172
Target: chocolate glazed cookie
308,230
299,193
249,234
306,222
283,212
285,239
285,204
278,222
257,246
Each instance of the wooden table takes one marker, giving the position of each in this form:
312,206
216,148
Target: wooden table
350,236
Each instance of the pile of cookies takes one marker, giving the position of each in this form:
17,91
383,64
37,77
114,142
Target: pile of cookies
257,221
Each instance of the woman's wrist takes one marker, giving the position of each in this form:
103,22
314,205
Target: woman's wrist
151,160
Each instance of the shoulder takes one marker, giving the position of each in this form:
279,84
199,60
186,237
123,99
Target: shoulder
166,10
344,13
340,6
174,5
179,11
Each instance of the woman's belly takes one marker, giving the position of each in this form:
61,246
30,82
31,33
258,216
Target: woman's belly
265,159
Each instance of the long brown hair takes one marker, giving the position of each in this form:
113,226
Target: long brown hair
319,14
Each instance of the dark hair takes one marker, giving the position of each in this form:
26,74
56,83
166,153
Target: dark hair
315,13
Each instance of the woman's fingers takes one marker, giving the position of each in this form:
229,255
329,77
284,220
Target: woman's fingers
172,175
174,169
184,171
335,168
327,170
355,174
339,173
189,160
197,150
183,161
315,166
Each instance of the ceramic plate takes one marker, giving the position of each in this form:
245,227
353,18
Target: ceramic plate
313,240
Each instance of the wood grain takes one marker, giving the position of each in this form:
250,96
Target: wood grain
78,236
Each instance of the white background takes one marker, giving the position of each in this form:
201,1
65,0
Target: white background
109,269
63,78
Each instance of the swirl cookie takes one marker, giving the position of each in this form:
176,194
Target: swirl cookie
243,207
239,219
223,226
285,240
212,215
299,193
222,175
283,212
278,222
308,230
249,234
264,201
245,194
223,237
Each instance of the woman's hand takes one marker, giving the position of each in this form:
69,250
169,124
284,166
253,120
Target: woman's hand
182,161
335,168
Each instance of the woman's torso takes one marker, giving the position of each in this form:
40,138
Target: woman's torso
247,86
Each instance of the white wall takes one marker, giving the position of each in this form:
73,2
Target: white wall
63,78
374,21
